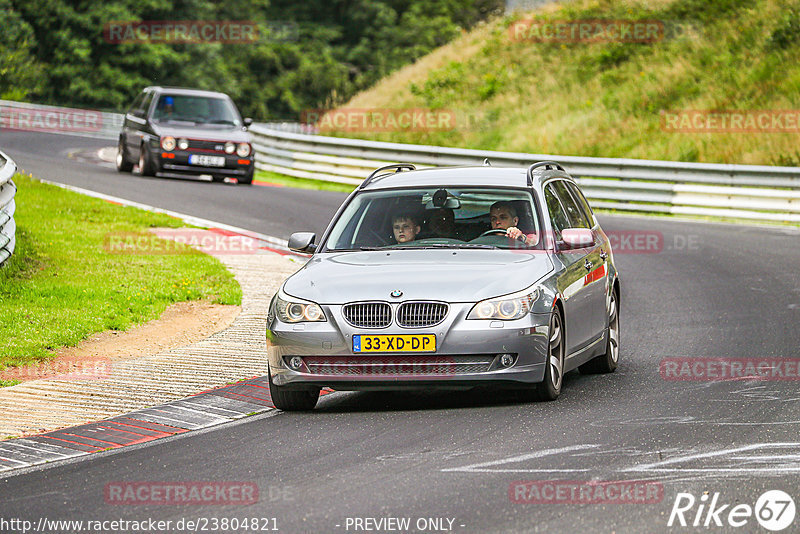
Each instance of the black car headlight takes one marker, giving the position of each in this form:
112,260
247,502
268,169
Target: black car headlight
505,308
293,310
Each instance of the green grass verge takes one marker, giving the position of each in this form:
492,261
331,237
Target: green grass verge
61,285
301,183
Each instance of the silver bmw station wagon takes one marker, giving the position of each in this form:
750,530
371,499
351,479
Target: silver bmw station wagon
448,277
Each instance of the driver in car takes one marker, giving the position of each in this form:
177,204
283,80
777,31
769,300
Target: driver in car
503,216
405,227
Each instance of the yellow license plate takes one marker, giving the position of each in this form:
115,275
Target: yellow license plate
395,343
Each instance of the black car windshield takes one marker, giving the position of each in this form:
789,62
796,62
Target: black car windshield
436,217
196,110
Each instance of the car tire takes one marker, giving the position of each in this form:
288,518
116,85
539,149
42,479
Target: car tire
146,165
550,388
123,165
292,400
607,363
247,179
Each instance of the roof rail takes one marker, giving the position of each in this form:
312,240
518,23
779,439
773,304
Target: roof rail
486,162
545,164
398,167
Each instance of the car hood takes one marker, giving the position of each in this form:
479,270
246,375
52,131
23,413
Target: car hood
237,135
447,275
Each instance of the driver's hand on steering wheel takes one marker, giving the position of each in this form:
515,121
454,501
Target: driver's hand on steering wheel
515,233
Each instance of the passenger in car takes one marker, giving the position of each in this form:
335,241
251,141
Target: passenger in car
503,216
405,227
441,223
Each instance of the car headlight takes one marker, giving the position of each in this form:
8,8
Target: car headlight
294,310
183,144
243,150
230,147
506,308
168,143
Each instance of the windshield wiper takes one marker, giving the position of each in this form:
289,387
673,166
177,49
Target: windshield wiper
473,245
435,246
430,246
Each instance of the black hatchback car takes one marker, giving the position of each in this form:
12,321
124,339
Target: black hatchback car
186,131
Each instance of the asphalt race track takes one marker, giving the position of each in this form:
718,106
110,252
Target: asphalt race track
450,461
275,211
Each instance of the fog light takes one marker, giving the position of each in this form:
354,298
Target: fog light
506,360
296,363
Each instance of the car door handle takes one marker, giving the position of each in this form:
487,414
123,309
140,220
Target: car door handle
603,255
587,264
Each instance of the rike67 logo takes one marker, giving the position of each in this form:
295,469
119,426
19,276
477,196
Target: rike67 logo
774,510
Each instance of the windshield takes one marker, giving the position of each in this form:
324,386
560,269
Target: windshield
446,217
196,110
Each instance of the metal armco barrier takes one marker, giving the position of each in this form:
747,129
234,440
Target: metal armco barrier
753,192
59,120
7,191
750,192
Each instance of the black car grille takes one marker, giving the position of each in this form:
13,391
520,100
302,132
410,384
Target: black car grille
199,144
368,314
421,314
393,366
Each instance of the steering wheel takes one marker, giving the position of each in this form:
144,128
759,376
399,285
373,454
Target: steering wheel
493,231
500,231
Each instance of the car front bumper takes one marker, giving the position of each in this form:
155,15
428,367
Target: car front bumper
467,353
177,161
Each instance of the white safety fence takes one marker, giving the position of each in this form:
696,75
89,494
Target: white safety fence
752,192
7,206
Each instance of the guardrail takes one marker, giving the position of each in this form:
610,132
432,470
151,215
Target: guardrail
60,120
7,206
753,192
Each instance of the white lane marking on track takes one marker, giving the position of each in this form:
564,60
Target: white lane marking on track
485,467
668,466
190,219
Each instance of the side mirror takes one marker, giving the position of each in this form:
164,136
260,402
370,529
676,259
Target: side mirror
248,122
303,242
575,238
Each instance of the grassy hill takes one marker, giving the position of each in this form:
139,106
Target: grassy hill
607,98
